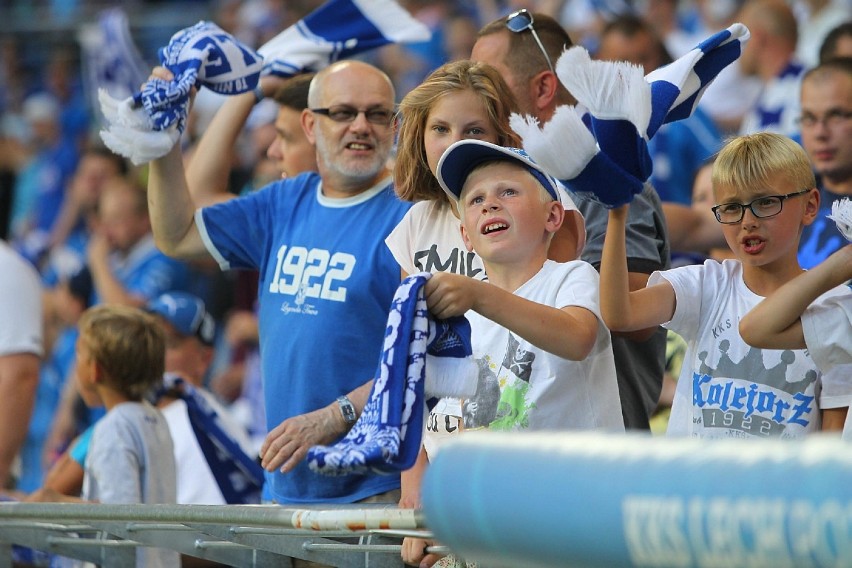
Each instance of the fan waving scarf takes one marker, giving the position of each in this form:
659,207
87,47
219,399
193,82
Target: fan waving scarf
622,111
336,30
147,125
420,358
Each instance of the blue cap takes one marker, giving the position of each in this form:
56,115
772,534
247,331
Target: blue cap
186,313
465,155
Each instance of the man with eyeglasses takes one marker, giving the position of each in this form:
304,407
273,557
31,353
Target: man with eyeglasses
326,278
826,127
524,47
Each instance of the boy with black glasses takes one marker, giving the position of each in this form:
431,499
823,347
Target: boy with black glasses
766,194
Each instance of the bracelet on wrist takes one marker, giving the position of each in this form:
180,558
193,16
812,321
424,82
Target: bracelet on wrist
258,93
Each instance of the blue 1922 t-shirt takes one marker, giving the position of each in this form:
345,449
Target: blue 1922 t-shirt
326,284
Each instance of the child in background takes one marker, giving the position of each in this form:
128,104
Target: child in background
120,359
766,192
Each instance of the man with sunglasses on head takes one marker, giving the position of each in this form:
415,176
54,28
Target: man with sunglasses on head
524,46
326,279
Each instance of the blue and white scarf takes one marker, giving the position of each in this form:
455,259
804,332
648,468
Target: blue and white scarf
386,437
609,159
336,30
147,125
239,477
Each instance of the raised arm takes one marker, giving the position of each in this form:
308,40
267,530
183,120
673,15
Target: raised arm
775,323
569,332
208,170
171,208
622,309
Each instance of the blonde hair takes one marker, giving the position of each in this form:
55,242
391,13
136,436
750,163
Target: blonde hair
413,180
128,344
750,161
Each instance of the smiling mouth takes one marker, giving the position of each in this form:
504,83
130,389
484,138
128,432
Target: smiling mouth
359,146
494,227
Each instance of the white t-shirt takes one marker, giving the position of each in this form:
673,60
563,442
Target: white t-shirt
20,305
727,388
827,327
522,387
196,484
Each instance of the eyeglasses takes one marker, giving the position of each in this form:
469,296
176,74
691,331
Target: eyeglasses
344,113
521,21
831,119
762,207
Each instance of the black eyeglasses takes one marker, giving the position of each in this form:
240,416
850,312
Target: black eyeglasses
521,21
344,113
762,207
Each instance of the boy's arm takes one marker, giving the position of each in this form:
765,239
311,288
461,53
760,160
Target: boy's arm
569,332
623,310
775,322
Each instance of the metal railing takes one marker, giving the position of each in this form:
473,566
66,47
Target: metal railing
236,535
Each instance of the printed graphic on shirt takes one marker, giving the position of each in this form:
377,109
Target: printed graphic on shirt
303,275
502,401
750,398
460,261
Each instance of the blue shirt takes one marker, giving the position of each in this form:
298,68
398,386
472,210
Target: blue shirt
822,237
325,288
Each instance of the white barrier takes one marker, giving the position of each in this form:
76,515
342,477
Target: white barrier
236,535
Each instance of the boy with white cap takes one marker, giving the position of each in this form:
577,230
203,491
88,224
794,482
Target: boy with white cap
545,356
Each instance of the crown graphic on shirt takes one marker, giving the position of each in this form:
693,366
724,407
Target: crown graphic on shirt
751,368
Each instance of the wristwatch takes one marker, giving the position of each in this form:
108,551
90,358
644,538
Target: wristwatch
347,409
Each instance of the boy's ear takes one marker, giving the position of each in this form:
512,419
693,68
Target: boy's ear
555,216
811,207
467,244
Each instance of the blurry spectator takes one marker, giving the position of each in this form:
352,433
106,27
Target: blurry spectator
40,184
71,298
838,42
817,19
126,266
20,352
201,478
826,124
727,111
770,55
679,148
70,234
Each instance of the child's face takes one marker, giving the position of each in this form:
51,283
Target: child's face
85,372
762,242
504,218
458,115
